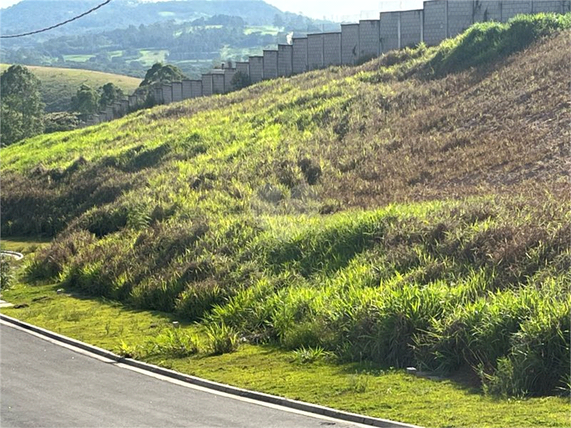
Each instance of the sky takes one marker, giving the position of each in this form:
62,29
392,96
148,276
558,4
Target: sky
338,10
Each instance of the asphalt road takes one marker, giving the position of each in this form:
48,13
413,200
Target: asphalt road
43,384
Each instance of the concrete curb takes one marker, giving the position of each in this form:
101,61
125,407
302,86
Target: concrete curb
266,398
17,256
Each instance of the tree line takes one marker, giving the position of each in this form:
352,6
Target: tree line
22,109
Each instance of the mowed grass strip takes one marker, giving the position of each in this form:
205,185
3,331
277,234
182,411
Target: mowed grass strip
360,388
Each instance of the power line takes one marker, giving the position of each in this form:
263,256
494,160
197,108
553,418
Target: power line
12,36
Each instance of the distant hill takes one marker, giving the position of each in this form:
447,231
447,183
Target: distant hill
60,84
30,15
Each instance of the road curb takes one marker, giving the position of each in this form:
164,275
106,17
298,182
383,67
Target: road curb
16,255
220,387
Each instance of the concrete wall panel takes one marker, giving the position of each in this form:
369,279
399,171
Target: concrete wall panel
186,90
435,22
176,91
167,93
285,60
270,64
331,49
511,8
243,67
158,95
554,6
460,16
256,68
195,88
410,28
390,31
487,10
369,38
133,102
349,44
218,83
300,64
315,51
207,88
125,107
228,76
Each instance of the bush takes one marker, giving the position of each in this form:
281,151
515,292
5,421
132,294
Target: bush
6,273
223,339
175,343
491,41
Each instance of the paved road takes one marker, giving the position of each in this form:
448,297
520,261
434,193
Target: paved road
47,385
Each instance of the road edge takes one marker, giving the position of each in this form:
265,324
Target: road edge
220,387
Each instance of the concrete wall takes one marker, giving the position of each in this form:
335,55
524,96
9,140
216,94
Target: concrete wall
125,106
207,87
331,49
314,51
487,10
270,64
349,44
369,38
167,93
243,67
195,88
555,6
176,91
285,60
133,102
186,89
228,76
158,95
390,31
511,8
256,69
410,28
299,55
435,21
218,83
460,16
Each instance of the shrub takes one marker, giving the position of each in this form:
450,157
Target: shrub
307,355
6,273
222,339
175,343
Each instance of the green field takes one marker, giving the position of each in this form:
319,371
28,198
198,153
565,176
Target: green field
412,211
60,84
149,57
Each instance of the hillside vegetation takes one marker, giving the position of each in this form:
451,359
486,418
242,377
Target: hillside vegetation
60,84
411,211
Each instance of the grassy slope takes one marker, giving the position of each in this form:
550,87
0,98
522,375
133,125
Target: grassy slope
60,84
225,200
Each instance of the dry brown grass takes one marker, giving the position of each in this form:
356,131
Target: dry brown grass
499,129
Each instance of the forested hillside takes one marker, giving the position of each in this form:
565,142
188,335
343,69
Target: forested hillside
410,211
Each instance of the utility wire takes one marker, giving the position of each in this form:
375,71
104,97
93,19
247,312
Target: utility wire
12,36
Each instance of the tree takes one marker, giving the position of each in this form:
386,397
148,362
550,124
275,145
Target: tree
160,73
240,80
21,105
85,101
278,21
109,94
